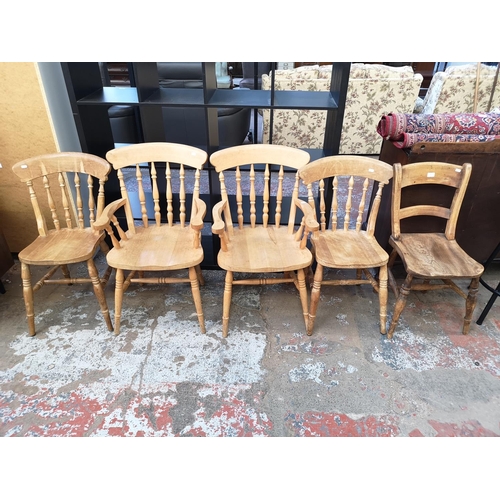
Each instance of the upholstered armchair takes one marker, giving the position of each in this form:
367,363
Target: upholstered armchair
373,91
453,91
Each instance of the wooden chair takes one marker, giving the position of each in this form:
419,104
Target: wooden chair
260,243
347,244
431,256
161,245
74,206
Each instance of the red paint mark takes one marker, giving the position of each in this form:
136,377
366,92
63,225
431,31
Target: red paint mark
415,433
337,425
471,428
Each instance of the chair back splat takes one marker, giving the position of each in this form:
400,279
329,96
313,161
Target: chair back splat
163,232
431,257
62,188
344,238
254,237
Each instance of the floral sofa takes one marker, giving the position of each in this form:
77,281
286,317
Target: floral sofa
453,91
374,90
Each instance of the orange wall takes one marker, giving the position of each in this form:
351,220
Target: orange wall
25,130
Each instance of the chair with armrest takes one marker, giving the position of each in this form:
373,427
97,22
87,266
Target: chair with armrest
161,244
433,256
49,177
347,244
259,243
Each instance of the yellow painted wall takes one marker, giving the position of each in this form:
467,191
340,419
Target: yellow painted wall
25,130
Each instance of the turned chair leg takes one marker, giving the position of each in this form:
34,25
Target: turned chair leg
201,279
301,277
118,299
226,305
400,304
470,304
383,296
315,292
28,297
99,292
195,290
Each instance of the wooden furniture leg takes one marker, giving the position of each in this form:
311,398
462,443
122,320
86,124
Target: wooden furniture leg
118,299
315,292
99,292
227,302
195,289
301,277
28,297
470,304
383,296
400,304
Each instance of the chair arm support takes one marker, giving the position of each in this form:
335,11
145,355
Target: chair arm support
309,216
200,209
106,217
218,225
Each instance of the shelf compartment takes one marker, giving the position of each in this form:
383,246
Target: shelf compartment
112,95
176,97
300,99
234,98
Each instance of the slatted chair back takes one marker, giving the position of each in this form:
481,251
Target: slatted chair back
150,156
350,180
429,173
63,185
262,195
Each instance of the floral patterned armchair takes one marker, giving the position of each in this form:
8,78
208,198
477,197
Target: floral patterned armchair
373,91
453,91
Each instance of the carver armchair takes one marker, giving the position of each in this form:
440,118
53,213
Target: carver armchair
254,238
156,242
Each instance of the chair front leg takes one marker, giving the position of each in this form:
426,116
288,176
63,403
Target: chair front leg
119,278
383,296
470,304
195,290
301,277
28,297
315,292
400,304
226,306
99,292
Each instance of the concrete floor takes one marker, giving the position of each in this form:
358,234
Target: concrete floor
162,377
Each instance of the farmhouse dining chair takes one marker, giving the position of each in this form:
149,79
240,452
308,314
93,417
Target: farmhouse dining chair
62,188
345,237
431,257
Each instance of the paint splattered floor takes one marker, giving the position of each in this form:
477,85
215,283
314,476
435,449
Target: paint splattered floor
162,377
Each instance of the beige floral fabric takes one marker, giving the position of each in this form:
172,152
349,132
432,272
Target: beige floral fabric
374,90
453,90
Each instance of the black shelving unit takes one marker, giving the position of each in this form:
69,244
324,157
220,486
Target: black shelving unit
90,101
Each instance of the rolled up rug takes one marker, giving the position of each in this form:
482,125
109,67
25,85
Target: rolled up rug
407,140
393,125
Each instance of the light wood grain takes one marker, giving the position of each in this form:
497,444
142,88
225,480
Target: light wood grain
346,245
154,245
57,245
431,257
260,248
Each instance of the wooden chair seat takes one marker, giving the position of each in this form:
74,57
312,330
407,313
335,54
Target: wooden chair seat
263,250
432,256
66,246
141,252
348,250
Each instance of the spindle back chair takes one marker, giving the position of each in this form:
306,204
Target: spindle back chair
62,190
259,241
156,242
345,237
